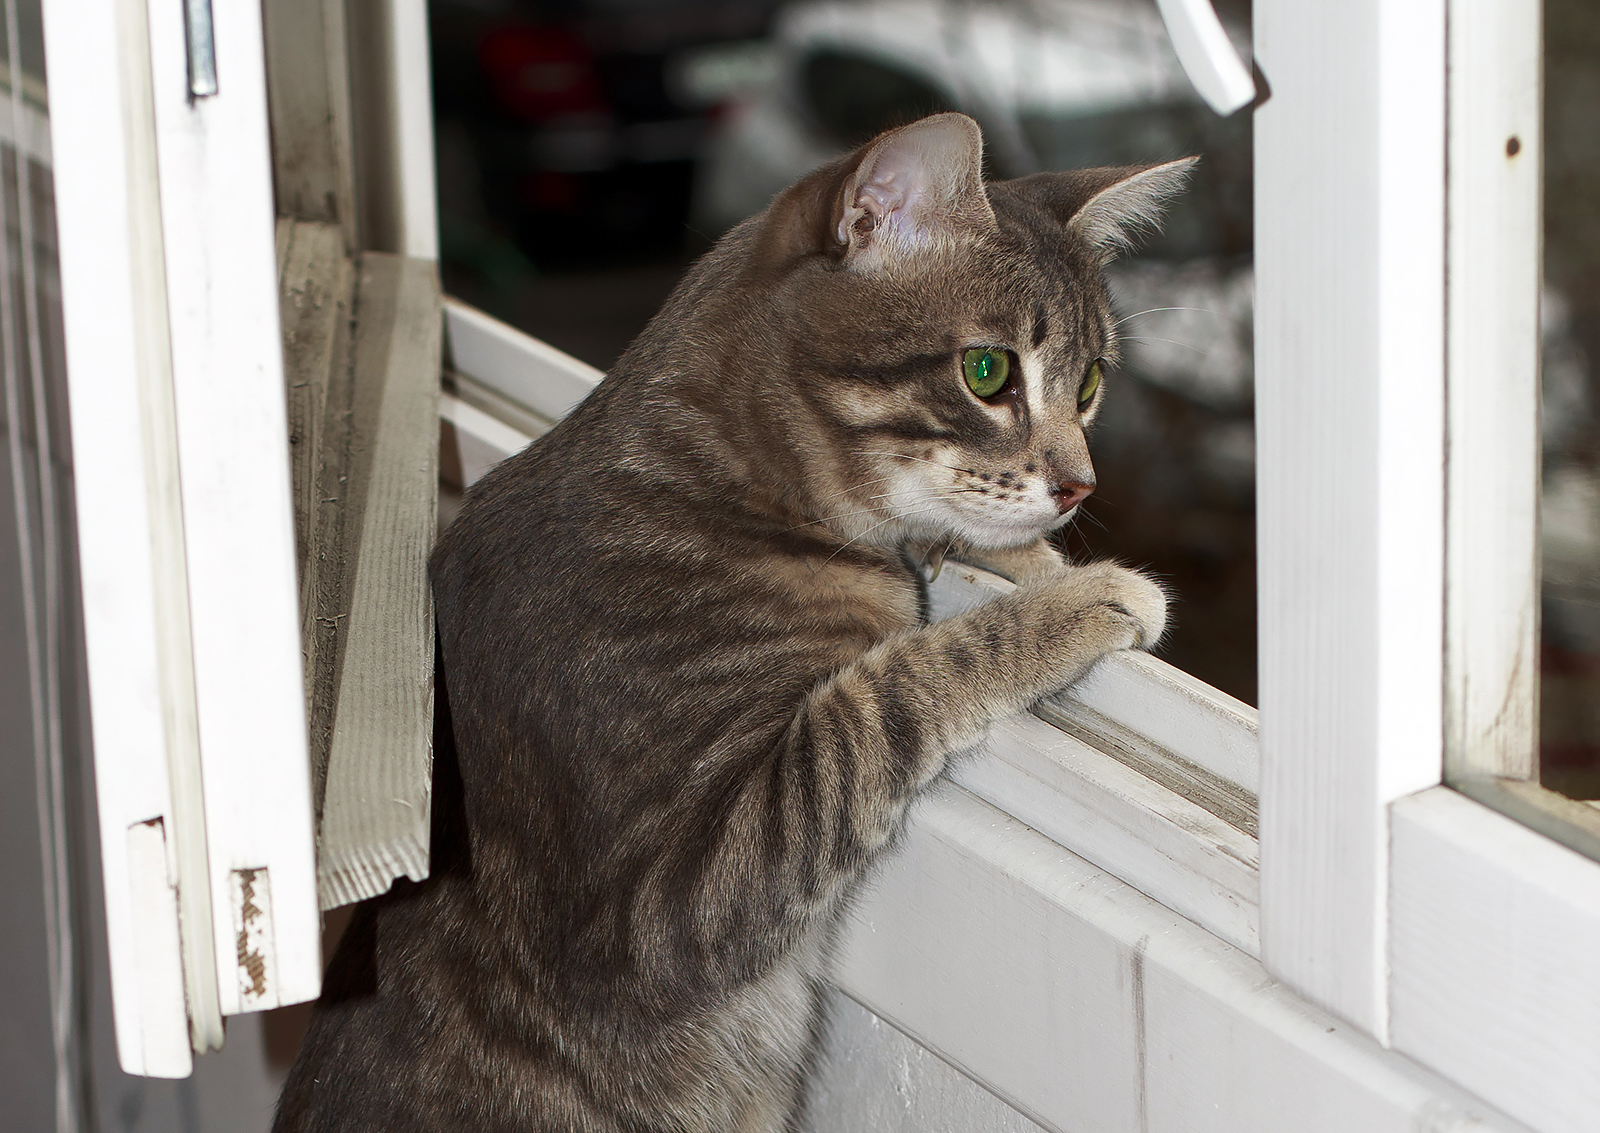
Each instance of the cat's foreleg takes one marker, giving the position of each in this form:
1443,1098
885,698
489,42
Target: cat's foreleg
881,729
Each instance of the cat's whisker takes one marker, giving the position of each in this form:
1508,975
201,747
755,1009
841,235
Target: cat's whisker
908,456
827,518
873,528
1173,341
928,493
854,488
1091,517
1157,310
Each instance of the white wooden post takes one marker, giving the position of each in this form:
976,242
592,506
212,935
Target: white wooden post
1350,402
218,226
1496,149
130,535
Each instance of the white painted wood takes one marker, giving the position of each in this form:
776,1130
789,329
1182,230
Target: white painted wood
1492,666
481,441
1349,419
392,105
1495,934
163,1024
379,778
513,363
871,1075
1091,1008
227,365
129,511
1181,713
1138,831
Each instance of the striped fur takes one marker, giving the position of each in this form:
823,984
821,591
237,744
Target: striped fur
691,690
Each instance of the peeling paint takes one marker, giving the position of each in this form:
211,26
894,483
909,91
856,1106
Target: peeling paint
253,937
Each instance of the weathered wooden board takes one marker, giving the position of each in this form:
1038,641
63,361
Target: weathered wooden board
377,784
362,364
316,293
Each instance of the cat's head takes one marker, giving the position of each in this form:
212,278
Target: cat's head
954,336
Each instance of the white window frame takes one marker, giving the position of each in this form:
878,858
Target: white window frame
1440,926
1097,948
164,206
1494,927
1074,936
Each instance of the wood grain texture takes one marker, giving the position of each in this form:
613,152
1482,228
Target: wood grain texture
1496,930
1091,1008
1492,601
1349,419
378,782
316,294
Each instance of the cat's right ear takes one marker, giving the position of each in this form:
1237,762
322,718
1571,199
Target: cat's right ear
905,195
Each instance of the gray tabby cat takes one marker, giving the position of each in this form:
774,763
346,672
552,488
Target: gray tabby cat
691,682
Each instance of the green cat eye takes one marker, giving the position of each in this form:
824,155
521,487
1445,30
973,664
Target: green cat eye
986,370
1091,385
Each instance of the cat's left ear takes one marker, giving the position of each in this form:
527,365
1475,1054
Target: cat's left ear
914,190
1108,209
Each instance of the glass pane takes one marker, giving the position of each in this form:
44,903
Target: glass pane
587,153
1569,717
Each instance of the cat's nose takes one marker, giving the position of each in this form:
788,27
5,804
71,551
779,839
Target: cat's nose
1069,494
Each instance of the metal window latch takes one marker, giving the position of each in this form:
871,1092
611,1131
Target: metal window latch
1207,57
197,30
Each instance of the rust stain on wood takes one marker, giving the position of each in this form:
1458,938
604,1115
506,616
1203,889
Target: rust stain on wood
251,961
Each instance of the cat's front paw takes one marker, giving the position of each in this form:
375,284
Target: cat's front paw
1142,600
1129,610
